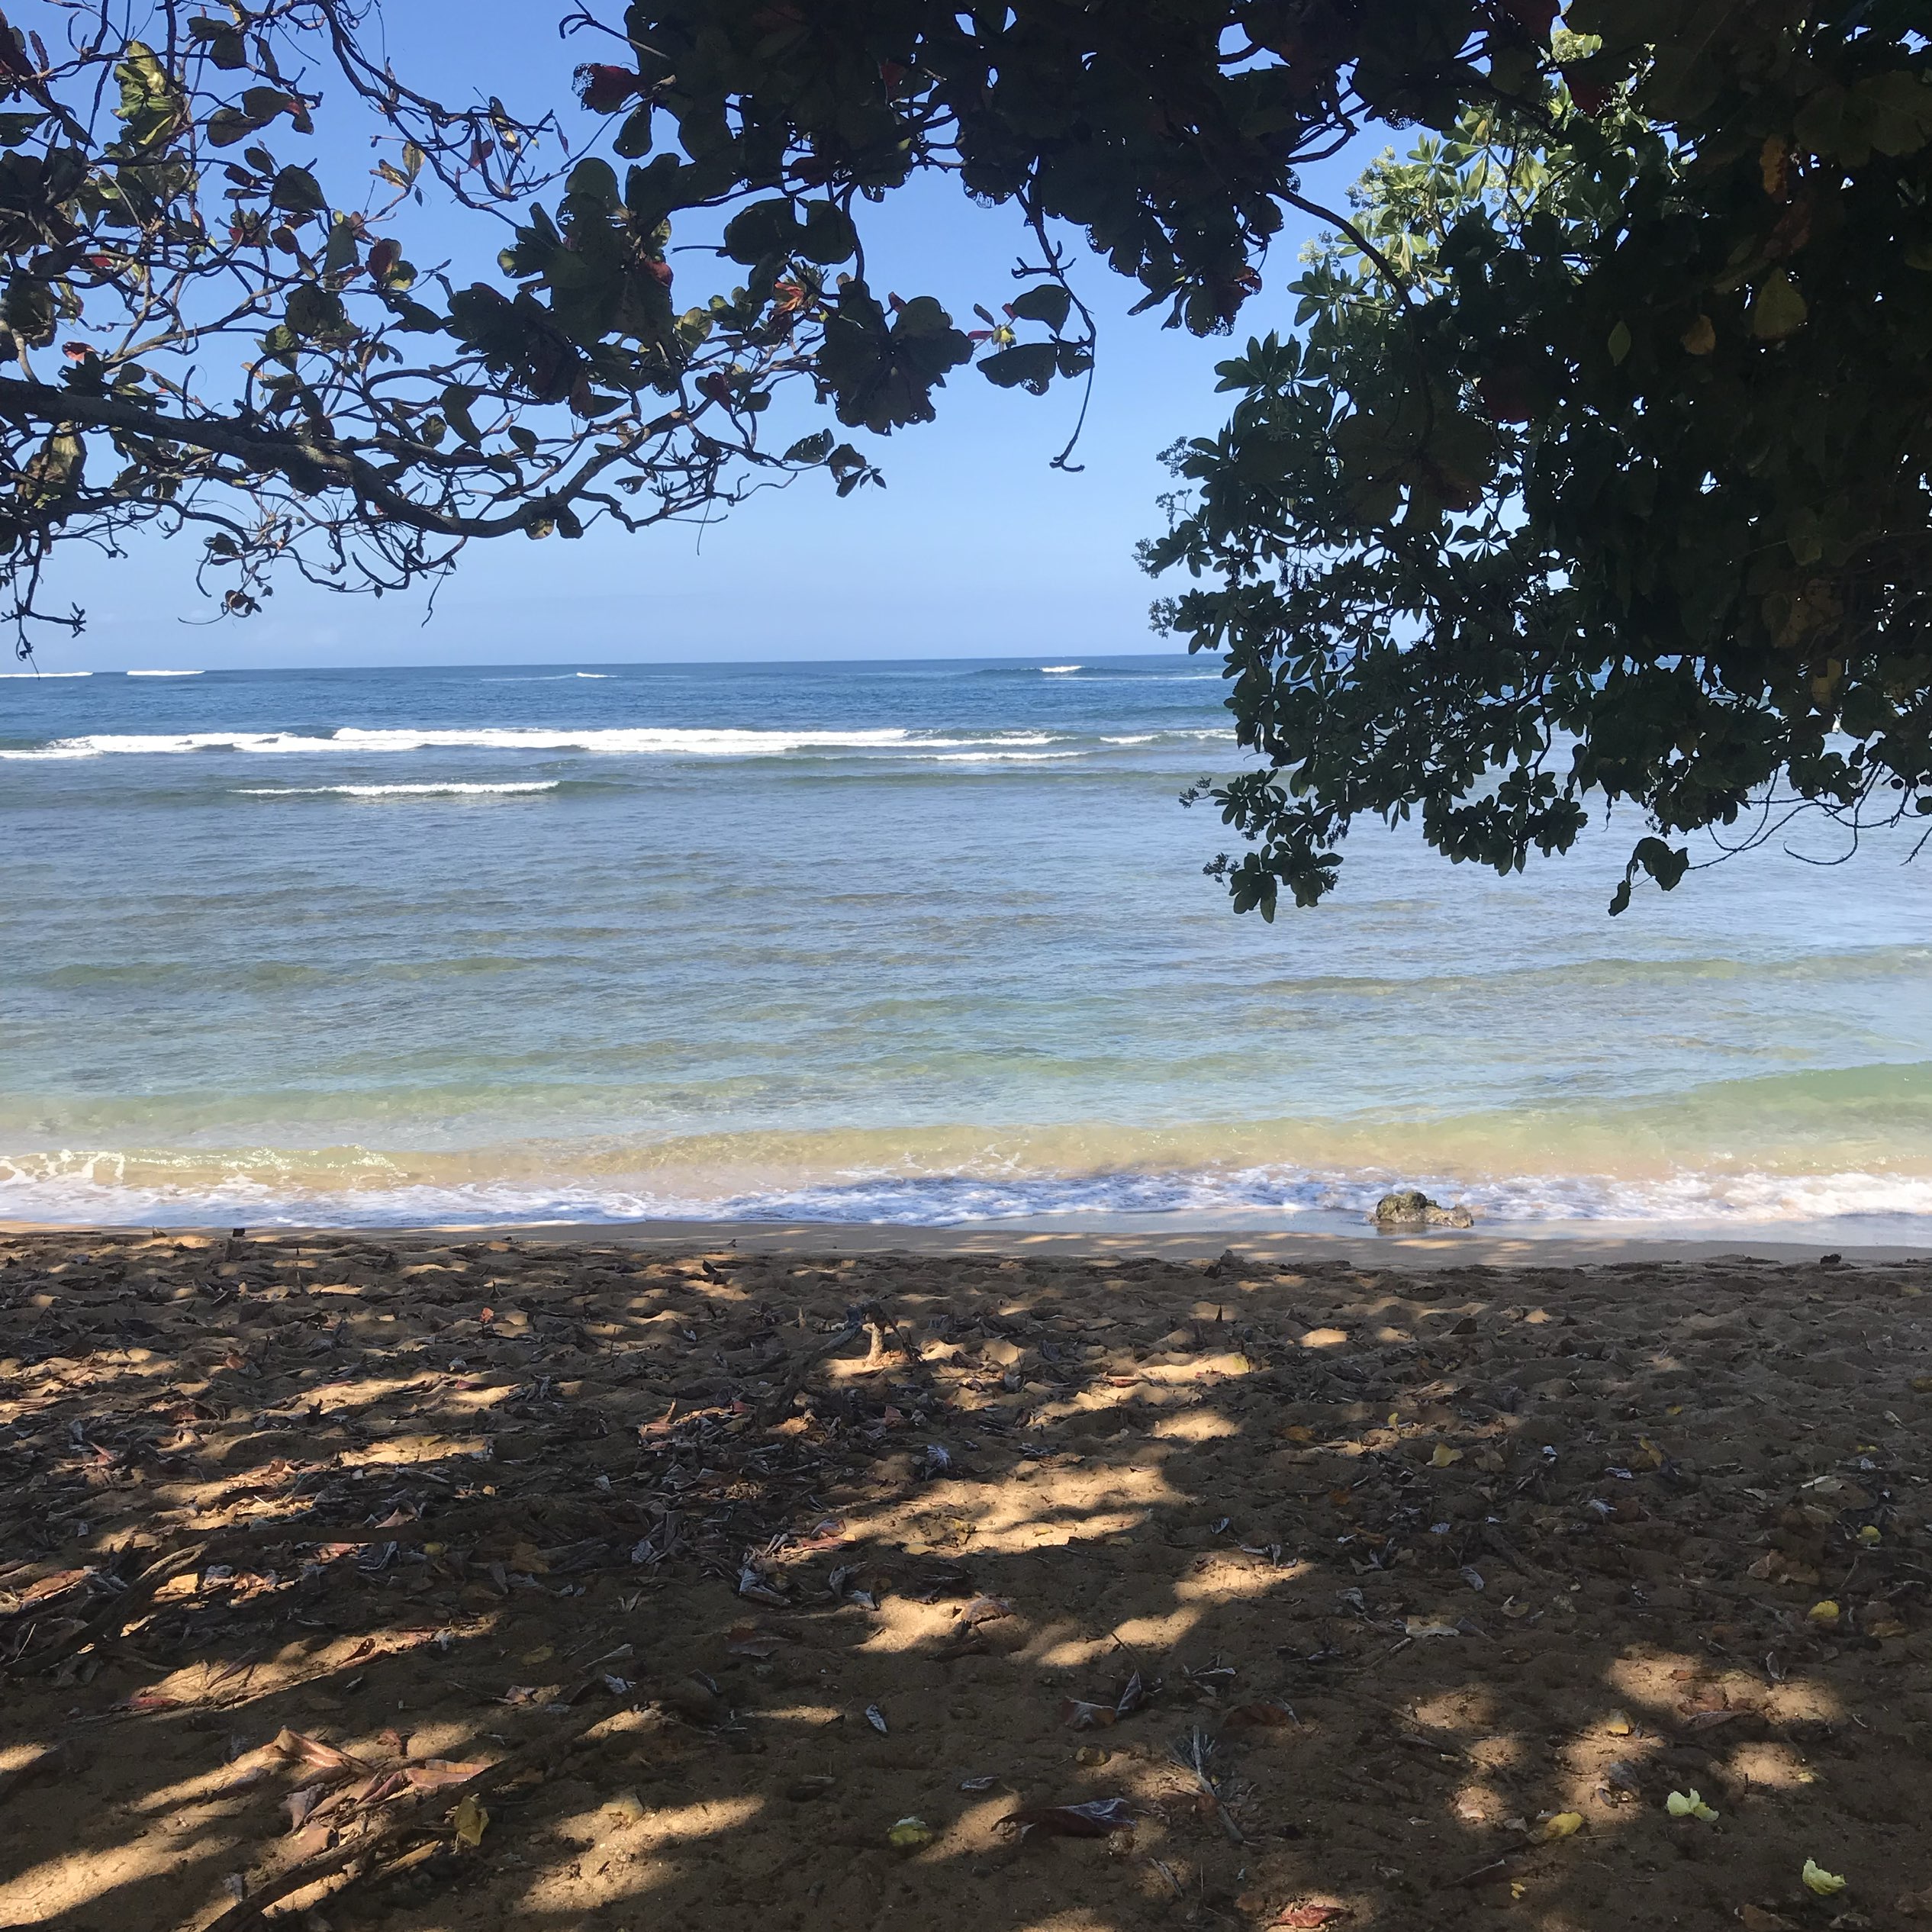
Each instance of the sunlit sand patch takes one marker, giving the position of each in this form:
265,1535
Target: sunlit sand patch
1467,1708
1226,1578
900,1624
1199,1425
636,1843
816,1714
1157,1633
1776,1767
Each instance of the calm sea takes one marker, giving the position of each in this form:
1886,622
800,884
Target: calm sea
914,942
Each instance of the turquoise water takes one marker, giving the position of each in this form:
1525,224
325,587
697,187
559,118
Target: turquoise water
919,942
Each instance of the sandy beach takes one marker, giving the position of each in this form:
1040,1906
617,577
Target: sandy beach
576,1576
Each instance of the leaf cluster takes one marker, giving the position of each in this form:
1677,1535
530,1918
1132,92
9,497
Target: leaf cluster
1600,471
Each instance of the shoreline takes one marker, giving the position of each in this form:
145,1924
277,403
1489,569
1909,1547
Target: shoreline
1441,1248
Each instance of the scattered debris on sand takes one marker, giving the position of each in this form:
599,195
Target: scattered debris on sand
438,1587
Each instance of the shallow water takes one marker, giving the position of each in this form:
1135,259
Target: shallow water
921,941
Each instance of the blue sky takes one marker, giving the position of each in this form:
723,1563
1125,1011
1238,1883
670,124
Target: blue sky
976,547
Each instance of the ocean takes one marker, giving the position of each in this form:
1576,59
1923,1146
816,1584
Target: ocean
918,941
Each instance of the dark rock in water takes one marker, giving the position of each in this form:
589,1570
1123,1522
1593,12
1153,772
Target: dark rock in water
1409,1207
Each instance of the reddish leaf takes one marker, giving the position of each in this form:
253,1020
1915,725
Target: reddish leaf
312,1750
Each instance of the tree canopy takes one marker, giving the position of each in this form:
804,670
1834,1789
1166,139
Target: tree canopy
1597,465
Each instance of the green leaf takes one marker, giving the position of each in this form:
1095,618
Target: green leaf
225,126
1778,309
811,448
765,231
633,140
829,236
342,251
150,102
1048,302
593,180
1031,365
296,191
1619,342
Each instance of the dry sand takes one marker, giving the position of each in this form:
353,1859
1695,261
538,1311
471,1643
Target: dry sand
442,1584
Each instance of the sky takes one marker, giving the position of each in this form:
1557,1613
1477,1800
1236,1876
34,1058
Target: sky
977,546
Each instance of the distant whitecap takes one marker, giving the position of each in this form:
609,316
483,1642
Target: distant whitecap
394,791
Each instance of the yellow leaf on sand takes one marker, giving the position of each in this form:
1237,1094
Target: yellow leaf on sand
1618,1725
1826,1612
910,1833
1827,1885
472,1821
1870,1534
1688,1805
1445,1456
1561,1826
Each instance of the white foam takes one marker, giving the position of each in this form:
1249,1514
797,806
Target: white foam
38,675
652,741
394,791
1171,737
998,758
163,673
358,1187
594,673
633,741
1059,670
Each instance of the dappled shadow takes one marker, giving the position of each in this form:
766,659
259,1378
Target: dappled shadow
1347,1584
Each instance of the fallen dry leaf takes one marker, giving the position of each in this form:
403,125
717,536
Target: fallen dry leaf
1827,1885
471,1822
1309,1916
1077,1714
324,1757
433,1773
1096,1818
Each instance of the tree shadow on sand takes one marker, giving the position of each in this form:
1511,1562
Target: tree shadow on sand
451,1586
